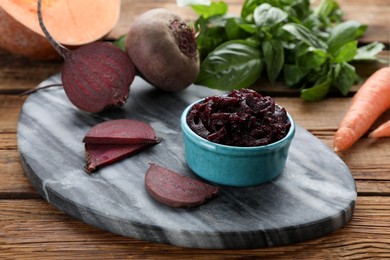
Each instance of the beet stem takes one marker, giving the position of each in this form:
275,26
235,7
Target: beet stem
30,91
62,50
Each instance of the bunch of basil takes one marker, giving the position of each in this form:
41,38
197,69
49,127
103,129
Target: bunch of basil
288,40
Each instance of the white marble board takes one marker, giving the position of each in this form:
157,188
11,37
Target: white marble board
314,195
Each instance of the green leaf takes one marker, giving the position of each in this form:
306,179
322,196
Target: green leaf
249,7
326,8
301,49
211,34
182,3
318,91
121,42
328,13
274,58
369,51
233,65
234,30
266,15
298,10
335,70
293,74
303,34
214,9
361,30
345,53
313,58
342,34
250,28
346,78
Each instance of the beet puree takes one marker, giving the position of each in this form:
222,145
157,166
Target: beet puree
241,118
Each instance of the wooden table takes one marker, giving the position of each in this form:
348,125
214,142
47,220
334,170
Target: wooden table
32,228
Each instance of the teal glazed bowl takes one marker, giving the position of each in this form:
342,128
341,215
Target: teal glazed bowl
233,165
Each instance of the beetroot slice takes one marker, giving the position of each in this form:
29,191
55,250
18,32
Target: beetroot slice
121,131
98,155
176,190
97,76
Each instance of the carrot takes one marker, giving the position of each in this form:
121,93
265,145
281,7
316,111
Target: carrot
382,131
371,100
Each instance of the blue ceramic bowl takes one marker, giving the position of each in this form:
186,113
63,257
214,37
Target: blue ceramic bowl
233,165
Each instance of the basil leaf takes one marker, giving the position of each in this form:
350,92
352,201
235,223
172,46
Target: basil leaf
121,42
313,58
303,34
361,30
298,9
342,34
293,74
250,28
266,15
346,78
369,51
234,30
214,9
274,58
301,49
249,7
182,3
345,53
232,65
335,70
211,34
326,8
329,13
318,91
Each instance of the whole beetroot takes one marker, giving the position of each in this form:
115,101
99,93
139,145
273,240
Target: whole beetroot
163,49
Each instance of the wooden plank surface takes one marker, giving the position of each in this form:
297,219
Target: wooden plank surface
31,228
18,74
37,229
375,14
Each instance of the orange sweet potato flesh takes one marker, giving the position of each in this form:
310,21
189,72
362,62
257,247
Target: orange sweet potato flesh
71,23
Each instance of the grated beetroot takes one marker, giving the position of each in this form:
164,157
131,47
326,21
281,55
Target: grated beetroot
241,118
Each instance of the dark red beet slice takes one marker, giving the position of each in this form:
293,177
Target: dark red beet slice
121,131
97,76
98,155
176,190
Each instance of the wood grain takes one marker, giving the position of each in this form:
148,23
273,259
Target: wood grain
375,15
30,228
28,225
18,74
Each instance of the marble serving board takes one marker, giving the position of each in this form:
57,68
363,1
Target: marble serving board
314,195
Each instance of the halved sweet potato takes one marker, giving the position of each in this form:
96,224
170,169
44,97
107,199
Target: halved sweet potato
71,23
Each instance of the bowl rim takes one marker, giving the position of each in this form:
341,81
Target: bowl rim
238,150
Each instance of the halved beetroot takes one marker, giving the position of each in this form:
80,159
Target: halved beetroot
176,190
121,131
98,155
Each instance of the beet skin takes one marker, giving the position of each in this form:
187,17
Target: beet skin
163,49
